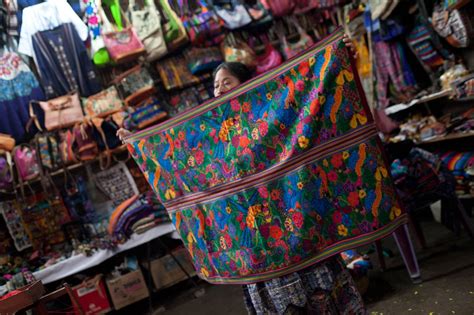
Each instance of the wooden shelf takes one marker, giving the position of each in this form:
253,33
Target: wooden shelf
448,137
434,96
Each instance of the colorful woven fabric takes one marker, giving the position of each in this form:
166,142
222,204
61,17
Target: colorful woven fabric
276,175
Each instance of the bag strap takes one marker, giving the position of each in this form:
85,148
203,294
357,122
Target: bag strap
33,118
108,153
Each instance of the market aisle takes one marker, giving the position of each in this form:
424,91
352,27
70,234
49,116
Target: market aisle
448,287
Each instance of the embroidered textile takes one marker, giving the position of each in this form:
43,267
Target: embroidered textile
276,175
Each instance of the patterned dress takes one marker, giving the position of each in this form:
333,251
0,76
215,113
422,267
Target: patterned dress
324,288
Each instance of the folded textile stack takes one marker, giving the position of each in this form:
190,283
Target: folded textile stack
137,215
461,164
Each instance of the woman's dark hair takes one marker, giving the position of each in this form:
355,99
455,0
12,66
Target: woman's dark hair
237,69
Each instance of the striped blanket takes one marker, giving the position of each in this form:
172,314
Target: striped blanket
277,174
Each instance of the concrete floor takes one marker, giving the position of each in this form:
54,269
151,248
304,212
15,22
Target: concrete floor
448,283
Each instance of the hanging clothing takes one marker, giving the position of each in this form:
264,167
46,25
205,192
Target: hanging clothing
63,62
325,288
18,86
46,16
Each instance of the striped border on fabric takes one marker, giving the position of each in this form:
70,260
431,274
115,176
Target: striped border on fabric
213,103
325,254
351,139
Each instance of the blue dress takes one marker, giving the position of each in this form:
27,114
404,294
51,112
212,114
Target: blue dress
18,86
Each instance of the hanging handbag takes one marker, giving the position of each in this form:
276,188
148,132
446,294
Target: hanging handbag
66,150
174,73
135,85
236,50
7,142
201,60
204,28
147,23
48,151
60,112
235,16
292,49
103,103
279,8
116,183
105,133
6,171
149,113
259,14
86,148
122,44
270,58
173,29
26,162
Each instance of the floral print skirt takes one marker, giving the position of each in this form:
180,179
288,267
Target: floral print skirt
324,288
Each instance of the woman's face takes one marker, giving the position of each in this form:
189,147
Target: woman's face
224,82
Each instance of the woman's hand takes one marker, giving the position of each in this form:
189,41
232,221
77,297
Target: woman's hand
122,133
348,42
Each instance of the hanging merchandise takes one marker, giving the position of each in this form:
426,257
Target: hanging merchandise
86,148
203,59
26,163
234,14
259,14
134,85
66,150
105,133
7,143
146,114
236,50
147,22
420,41
116,183
11,213
173,29
174,73
6,172
93,20
453,25
123,43
270,59
60,112
185,99
292,49
279,8
54,36
103,104
48,151
204,28
77,199
18,86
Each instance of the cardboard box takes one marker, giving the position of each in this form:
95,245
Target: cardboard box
127,289
166,272
92,296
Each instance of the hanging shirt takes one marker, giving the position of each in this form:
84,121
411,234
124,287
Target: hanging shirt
46,16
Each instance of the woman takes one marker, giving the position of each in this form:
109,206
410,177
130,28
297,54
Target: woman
324,288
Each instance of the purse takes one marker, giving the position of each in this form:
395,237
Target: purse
292,49
149,113
105,133
122,44
270,59
236,50
279,8
234,17
48,151
6,171
103,103
7,142
174,73
26,162
259,14
86,147
135,85
66,150
204,28
173,29
201,60
147,23
60,112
